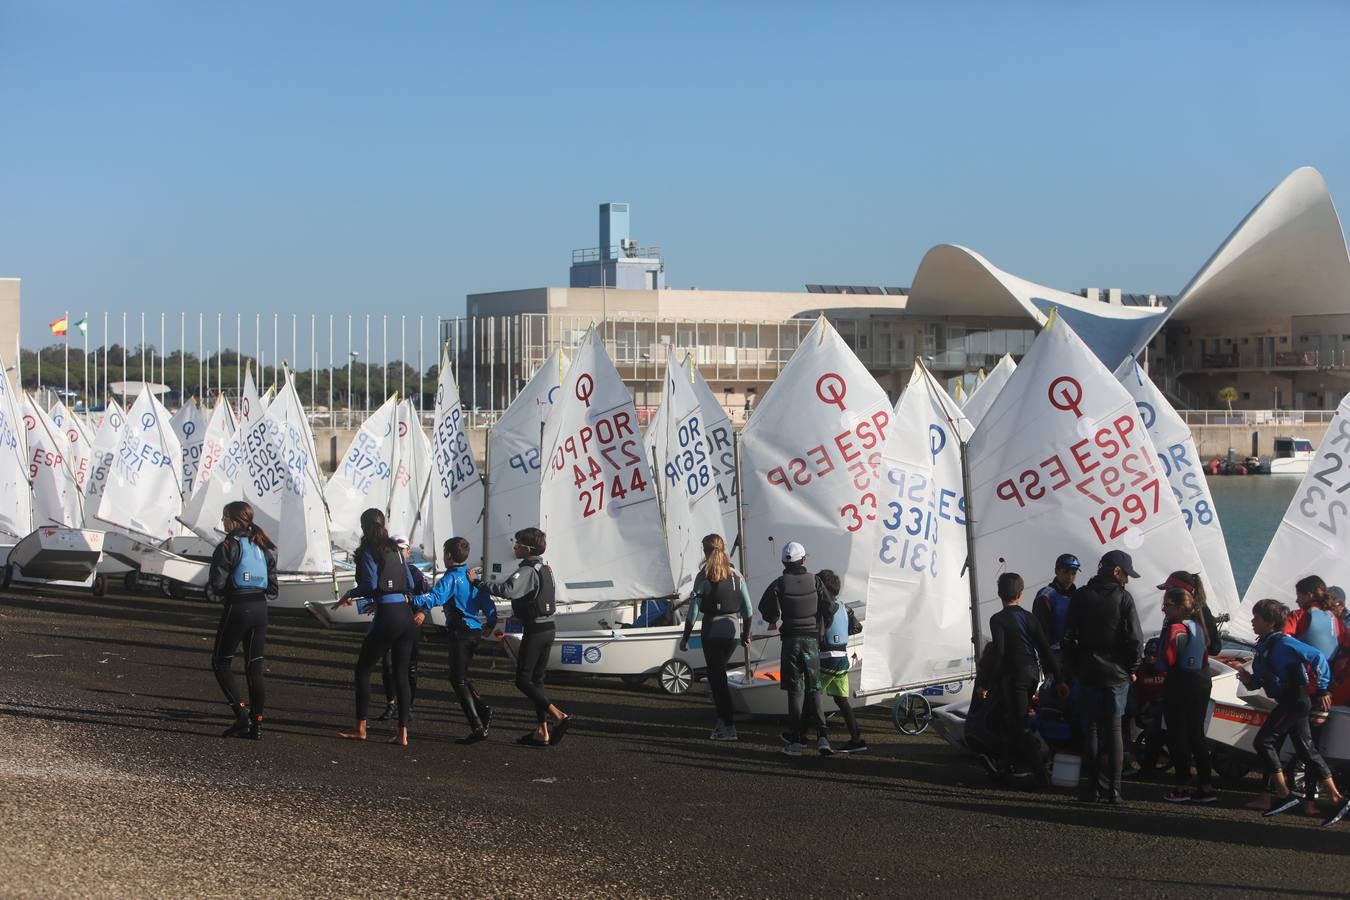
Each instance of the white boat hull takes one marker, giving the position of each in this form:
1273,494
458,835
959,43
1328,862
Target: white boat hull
630,651
64,557
1288,466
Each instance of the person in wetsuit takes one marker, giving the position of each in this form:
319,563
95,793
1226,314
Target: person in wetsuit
1183,654
835,662
719,597
419,585
1016,643
243,576
469,614
532,593
1051,604
382,575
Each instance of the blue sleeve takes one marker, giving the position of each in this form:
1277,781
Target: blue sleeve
418,580
439,595
367,573
1313,657
485,607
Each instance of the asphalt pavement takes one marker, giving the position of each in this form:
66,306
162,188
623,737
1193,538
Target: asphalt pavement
114,782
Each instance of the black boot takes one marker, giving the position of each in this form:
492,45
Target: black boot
255,728
240,726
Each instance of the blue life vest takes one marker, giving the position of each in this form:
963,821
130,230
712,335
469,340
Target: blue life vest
1191,652
1059,612
250,572
836,632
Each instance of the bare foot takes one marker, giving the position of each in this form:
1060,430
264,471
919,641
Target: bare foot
400,738
1310,808
358,735
1262,801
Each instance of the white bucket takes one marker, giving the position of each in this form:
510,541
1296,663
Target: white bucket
1066,769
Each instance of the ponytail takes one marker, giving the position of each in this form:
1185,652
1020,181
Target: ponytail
716,565
375,533
241,512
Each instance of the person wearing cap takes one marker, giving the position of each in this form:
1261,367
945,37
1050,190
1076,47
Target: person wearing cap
800,600
1051,605
1101,645
420,585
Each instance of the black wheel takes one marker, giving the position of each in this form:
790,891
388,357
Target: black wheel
634,680
676,676
176,590
129,581
912,714
100,586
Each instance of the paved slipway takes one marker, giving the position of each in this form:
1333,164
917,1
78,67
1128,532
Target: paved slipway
114,782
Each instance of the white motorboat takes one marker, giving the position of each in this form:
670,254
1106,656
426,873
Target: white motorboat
1292,456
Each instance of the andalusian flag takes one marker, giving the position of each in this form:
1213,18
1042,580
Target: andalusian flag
59,327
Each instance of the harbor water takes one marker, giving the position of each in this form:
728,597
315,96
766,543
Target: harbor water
1250,510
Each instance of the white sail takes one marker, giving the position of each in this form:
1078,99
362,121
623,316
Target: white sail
56,494
16,497
1062,464
250,404
143,493
282,482
685,468
266,399
220,478
721,451
76,444
1182,467
189,425
983,397
513,453
220,429
364,476
918,595
107,438
456,489
811,464
412,474
597,502
1314,536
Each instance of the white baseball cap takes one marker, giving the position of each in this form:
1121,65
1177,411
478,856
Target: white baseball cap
794,552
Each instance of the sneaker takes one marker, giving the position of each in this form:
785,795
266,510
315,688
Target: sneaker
255,728
1114,800
1282,804
1341,811
1207,795
473,737
854,746
989,764
725,733
792,749
1179,795
241,724
485,716
716,733
823,746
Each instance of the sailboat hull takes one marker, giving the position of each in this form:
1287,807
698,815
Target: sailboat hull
629,651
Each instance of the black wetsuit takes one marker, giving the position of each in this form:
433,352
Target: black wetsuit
382,575
1016,642
242,621
531,581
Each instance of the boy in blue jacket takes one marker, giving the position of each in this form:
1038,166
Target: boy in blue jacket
1287,669
469,614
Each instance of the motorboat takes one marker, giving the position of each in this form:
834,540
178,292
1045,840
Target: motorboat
1292,456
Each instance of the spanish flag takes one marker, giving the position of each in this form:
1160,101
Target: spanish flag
59,326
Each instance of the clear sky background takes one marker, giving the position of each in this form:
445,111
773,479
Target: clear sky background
359,158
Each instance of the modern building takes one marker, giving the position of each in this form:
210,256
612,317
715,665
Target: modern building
9,319
1268,315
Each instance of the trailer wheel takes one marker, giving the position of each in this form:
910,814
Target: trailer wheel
176,590
912,714
676,676
633,681
129,581
100,586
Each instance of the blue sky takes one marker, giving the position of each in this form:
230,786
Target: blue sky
390,158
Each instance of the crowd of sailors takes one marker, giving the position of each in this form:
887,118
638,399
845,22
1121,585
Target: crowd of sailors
1078,659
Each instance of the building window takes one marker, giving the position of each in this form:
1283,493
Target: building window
1246,341
862,342
748,339
1246,395
1284,339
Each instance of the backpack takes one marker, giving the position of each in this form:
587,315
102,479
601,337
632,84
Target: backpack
1191,655
250,570
391,573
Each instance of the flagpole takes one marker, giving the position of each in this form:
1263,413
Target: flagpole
84,329
65,391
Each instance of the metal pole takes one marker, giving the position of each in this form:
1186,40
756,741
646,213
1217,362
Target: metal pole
66,391
163,357
238,367
332,416
201,357
492,362
740,519
421,345
313,361
402,354
384,356
367,409
182,357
